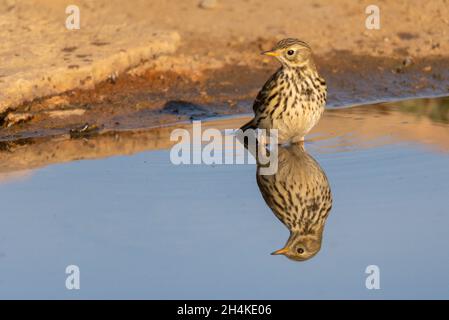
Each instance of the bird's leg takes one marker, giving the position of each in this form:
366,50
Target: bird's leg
298,139
262,140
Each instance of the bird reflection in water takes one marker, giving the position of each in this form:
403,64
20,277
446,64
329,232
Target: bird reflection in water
300,196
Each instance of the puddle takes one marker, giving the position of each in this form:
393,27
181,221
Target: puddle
140,227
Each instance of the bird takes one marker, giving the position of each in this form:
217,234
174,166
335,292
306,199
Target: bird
300,196
293,99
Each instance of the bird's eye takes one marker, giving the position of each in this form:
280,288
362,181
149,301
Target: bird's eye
300,250
290,52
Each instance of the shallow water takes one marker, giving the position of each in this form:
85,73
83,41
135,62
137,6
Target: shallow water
140,227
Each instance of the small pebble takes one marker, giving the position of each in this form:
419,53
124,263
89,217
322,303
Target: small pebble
83,131
407,61
241,39
208,4
435,45
16,118
112,78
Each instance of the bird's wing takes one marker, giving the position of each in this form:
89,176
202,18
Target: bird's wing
262,96
259,101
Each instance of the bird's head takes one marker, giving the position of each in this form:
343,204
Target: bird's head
301,247
291,53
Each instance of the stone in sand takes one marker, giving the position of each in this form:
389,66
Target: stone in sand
208,4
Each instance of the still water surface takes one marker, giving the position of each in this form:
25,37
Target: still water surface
139,227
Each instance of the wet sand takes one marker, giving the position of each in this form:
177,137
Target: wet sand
161,98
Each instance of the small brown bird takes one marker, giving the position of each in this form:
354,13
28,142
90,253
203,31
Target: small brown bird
300,196
293,99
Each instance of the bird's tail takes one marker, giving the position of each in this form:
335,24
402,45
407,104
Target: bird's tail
245,139
248,125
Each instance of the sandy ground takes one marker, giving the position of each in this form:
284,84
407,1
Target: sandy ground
131,60
41,57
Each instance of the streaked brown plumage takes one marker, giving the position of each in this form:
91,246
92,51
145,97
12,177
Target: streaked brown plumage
300,196
293,99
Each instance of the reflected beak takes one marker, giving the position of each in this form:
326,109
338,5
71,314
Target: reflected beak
271,53
280,251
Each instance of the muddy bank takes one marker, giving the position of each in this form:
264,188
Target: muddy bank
154,98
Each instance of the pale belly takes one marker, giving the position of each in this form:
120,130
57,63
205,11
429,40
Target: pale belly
293,127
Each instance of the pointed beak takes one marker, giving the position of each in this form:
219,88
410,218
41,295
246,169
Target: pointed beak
280,251
271,53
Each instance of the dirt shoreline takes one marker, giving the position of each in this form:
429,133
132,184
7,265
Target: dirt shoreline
156,98
216,68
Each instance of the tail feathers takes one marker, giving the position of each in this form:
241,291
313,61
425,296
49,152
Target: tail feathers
249,125
245,139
